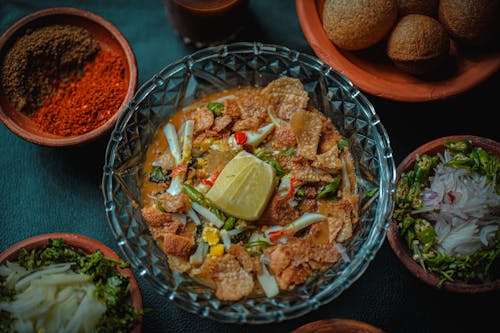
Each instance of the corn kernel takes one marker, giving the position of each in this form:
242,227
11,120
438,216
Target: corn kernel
210,235
216,251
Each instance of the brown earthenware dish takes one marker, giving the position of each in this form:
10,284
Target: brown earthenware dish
108,37
85,243
372,71
398,244
337,326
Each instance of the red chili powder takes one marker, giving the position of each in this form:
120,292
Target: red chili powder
87,102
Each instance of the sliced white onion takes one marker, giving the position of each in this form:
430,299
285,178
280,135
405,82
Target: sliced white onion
226,239
222,99
199,255
173,142
268,282
276,121
187,141
342,252
211,217
192,215
305,220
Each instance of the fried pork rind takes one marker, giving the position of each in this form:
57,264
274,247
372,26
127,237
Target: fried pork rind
232,274
300,169
294,262
341,215
203,119
329,161
307,126
180,246
287,96
179,203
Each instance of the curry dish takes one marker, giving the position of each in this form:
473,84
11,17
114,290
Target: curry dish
250,190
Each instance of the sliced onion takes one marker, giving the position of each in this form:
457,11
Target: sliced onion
192,215
173,142
226,240
268,282
211,217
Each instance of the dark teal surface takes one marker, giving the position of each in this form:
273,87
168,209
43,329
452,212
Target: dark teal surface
58,189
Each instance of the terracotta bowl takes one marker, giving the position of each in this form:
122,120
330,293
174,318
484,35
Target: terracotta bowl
85,243
337,326
372,71
108,37
398,244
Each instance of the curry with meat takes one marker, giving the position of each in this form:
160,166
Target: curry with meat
250,189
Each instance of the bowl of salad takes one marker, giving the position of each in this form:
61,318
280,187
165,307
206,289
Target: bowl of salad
63,282
445,226
250,182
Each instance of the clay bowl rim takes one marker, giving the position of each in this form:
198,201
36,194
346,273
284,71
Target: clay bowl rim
105,25
473,68
85,243
337,325
398,245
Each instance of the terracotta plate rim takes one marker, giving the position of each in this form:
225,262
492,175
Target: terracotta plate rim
419,91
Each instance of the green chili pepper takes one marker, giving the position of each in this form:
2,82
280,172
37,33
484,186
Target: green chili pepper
160,207
425,233
194,194
268,157
458,146
289,152
328,191
229,224
216,108
259,243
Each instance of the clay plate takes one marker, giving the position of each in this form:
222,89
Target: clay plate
372,71
398,244
337,326
108,37
85,243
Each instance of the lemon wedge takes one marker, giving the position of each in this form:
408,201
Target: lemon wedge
243,187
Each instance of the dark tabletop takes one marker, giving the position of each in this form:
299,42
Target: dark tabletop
58,190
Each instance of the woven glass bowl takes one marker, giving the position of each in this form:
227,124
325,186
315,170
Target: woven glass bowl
228,66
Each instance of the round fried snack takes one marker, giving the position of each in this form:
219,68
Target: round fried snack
418,44
470,22
358,24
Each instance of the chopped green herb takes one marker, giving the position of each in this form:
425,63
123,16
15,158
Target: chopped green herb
112,286
216,108
372,192
259,243
157,175
160,207
268,157
341,144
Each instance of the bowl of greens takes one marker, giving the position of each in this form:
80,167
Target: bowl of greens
62,282
446,223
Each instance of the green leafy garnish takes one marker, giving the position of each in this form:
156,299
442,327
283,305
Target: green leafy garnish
268,157
216,108
341,144
372,192
112,286
157,175
229,224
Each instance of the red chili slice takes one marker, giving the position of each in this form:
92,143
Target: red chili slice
241,138
178,170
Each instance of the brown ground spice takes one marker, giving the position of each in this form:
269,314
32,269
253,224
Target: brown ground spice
41,59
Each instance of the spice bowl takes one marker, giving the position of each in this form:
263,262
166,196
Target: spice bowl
397,239
78,110
337,325
89,246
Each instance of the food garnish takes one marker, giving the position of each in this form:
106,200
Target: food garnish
447,207
58,288
267,191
